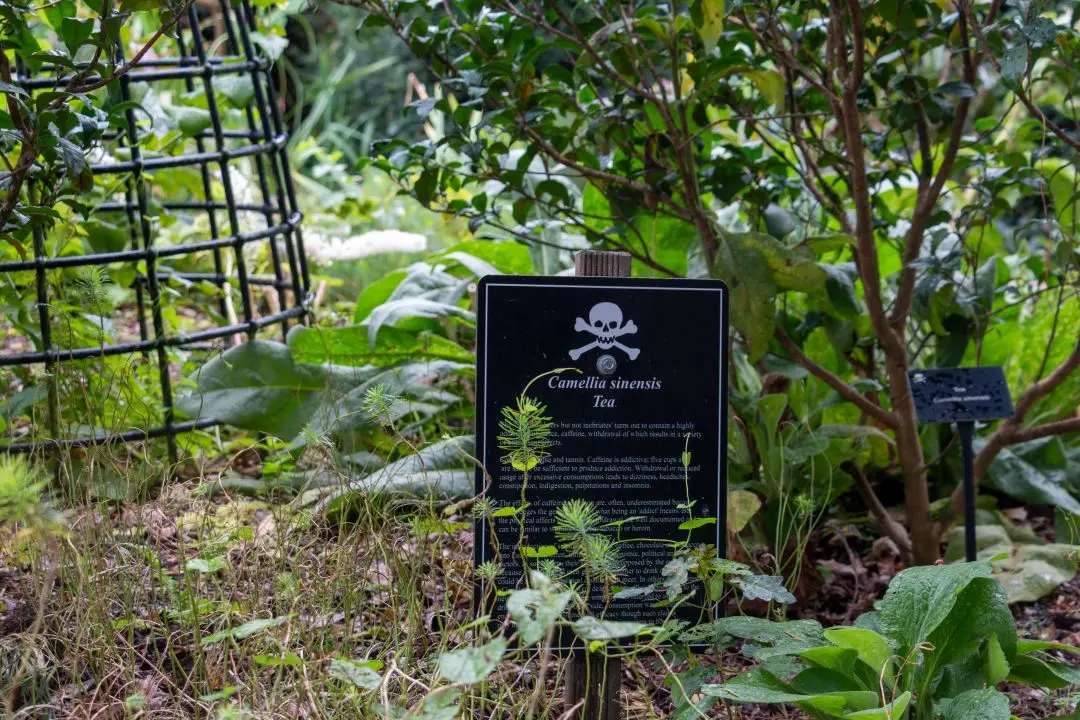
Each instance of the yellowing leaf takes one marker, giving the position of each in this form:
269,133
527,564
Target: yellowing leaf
770,84
742,506
711,24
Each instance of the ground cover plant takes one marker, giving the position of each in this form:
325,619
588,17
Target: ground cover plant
883,185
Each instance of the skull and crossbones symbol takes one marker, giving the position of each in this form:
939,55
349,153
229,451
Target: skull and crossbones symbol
606,324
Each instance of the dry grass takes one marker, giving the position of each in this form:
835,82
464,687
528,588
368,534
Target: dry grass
127,613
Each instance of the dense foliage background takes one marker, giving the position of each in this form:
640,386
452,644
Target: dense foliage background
883,185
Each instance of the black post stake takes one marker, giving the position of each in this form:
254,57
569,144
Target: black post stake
967,436
594,680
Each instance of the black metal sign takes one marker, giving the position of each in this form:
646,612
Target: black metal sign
960,394
633,373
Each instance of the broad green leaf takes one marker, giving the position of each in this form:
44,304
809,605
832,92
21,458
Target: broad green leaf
1015,62
1013,475
441,469
760,686
238,88
349,346
376,294
839,659
590,628
769,588
360,674
473,664
997,665
207,565
1044,673
535,611
985,704
1026,646
75,32
286,660
257,386
981,612
919,599
509,258
778,638
105,237
1031,568
895,710
393,311
190,120
872,648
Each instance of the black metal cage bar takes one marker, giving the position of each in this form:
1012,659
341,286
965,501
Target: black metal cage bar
245,198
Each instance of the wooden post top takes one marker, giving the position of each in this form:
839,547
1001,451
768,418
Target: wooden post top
602,263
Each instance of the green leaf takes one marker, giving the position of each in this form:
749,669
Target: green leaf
709,19
360,674
696,523
441,469
509,258
985,704
244,631
1043,673
1015,62
1029,568
761,686
957,89
394,311
472,665
9,89
257,386
997,665
105,237
207,565
920,599
1013,475
772,87
425,186
190,120
591,628
781,638
872,648
535,611
769,588
238,88
893,711
75,32
544,551
349,346
287,660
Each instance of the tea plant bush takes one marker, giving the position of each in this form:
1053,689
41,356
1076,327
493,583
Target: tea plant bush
884,186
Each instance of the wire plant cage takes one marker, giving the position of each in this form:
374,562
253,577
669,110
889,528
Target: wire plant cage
188,243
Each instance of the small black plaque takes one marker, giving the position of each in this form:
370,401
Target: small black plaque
960,394
653,370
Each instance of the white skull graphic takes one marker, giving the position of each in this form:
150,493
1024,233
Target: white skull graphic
605,318
605,325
